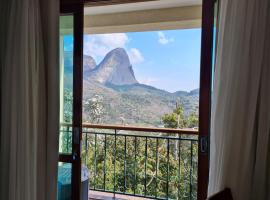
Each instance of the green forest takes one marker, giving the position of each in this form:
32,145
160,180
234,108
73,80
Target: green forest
158,165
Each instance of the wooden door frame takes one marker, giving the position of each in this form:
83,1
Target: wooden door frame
205,82
205,96
75,158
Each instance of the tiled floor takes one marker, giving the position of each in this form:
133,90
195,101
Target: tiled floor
95,195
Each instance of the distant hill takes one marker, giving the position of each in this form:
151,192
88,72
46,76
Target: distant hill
124,99
89,64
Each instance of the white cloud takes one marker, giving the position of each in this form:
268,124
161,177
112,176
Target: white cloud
135,56
147,80
114,40
162,39
98,46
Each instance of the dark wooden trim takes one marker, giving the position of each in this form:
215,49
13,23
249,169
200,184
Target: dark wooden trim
205,94
71,2
139,129
77,99
72,9
66,158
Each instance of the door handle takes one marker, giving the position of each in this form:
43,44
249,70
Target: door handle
74,156
76,133
204,144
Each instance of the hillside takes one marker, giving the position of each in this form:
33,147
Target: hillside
137,104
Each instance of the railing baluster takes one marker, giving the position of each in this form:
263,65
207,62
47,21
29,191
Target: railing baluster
68,140
95,161
114,163
156,168
145,167
191,164
168,159
135,165
179,166
125,166
105,149
88,145
86,149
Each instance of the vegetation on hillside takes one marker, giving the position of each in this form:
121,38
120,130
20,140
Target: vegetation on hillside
177,119
126,165
138,104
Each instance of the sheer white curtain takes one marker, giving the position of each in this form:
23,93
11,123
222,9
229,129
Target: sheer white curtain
29,99
240,132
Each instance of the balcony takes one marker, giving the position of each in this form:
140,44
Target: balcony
127,162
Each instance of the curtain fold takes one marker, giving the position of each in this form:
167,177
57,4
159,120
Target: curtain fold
240,126
29,99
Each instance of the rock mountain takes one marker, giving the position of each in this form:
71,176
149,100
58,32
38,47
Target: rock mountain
114,69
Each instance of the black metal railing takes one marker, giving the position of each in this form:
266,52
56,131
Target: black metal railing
143,162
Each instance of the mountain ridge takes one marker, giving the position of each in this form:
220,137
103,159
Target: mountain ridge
125,100
90,65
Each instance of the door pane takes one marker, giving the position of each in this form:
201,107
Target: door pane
66,83
64,181
135,78
215,34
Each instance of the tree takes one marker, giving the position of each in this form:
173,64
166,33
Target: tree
170,120
95,109
68,99
66,136
193,120
176,119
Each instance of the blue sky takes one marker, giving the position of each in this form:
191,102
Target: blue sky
168,60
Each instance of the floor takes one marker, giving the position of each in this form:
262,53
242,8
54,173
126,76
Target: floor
95,195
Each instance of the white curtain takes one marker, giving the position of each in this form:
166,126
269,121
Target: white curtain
29,99
240,127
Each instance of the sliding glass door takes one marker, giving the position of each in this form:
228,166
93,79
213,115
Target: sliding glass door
70,53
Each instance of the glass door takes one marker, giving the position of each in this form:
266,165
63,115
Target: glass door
70,68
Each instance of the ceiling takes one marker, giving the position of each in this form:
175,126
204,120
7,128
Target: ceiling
159,4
